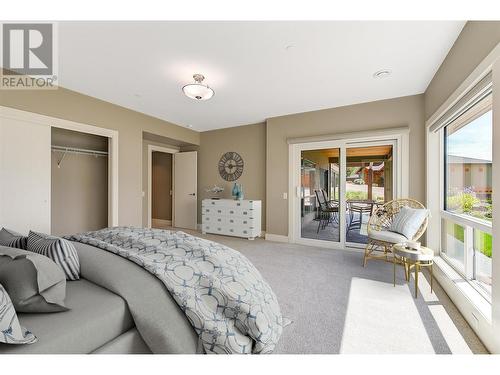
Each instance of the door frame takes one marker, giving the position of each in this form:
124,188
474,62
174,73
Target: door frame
112,135
400,136
166,150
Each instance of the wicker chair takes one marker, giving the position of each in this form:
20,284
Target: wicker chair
380,240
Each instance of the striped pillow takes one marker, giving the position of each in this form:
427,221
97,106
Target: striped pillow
10,238
408,221
61,251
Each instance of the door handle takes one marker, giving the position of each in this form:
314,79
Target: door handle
193,194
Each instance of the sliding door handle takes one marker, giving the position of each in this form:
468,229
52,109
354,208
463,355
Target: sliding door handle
193,194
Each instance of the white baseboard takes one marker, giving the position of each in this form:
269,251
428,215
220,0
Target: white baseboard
276,237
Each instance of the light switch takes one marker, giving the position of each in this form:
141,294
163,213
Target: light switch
285,195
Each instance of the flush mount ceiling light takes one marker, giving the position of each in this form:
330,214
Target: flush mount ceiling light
198,90
382,73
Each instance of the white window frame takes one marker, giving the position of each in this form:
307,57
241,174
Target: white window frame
469,223
483,316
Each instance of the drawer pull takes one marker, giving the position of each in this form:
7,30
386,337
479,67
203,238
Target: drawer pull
231,230
231,212
244,222
219,211
219,219
231,221
245,213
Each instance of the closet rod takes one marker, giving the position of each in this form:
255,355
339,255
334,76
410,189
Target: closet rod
73,150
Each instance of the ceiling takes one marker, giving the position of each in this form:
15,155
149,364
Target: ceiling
257,69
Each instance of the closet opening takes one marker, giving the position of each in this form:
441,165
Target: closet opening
79,181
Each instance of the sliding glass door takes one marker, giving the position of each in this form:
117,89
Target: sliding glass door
369,184
319,194
339,187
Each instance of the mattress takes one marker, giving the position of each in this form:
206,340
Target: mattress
96,317
130,342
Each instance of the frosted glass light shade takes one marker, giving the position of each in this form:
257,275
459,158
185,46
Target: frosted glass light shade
198,91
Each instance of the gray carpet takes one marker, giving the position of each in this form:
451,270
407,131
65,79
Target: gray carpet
337,306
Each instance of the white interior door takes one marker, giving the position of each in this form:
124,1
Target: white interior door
24,175
185,188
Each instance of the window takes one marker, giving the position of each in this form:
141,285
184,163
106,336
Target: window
453,246
467,193
468,167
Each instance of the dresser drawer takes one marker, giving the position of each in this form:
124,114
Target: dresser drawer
227,230
214,219
206,210
239,211
239,221
231,203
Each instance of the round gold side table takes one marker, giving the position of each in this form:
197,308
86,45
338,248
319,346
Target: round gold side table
424,257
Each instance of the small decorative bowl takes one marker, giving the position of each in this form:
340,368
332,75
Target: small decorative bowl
414,245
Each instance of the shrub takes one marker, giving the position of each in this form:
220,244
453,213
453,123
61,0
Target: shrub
356,195
463,202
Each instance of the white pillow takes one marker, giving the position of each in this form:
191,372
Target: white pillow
11,331
408,221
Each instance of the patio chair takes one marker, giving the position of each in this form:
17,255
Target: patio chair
332,203
325,210
380,238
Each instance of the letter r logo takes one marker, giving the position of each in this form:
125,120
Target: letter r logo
27,48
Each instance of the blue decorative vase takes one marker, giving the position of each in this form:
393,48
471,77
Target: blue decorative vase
235,191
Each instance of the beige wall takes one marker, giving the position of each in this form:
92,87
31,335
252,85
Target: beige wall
79,188
474,43
70,105
161,186
406,111
250,142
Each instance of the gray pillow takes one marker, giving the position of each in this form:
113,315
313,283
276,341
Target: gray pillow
11,332
408,221
34,282
13,239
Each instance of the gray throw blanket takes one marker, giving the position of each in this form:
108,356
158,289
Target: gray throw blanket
226,300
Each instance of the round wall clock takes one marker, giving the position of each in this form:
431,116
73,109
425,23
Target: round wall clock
231,166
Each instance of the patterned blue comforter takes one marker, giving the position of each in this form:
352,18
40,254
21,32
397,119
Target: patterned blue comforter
226,300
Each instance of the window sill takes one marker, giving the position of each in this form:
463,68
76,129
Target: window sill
464,291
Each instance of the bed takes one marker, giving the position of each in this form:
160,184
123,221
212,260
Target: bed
116,307
102,307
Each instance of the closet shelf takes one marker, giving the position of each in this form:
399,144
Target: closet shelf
82,151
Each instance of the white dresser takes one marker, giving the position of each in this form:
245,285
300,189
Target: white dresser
239,218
